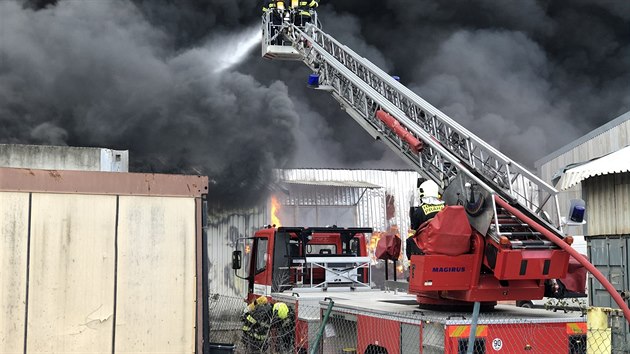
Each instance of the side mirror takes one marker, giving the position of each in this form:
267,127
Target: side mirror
236,260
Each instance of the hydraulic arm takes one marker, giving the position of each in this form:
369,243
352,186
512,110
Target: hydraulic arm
520,248
432,143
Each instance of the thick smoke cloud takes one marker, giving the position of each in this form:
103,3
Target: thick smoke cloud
528,76
96,73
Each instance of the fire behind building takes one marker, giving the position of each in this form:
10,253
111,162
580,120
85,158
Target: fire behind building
315,197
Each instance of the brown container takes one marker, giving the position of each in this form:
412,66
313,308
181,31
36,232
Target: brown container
98,262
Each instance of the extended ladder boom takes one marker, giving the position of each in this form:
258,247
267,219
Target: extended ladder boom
391,112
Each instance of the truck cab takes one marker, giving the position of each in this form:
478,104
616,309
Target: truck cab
301,258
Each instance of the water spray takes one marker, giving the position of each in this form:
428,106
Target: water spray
234,48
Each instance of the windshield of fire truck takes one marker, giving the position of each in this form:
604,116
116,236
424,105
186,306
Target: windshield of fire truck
321,249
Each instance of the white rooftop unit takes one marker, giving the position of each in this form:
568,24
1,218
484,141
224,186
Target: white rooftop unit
47,157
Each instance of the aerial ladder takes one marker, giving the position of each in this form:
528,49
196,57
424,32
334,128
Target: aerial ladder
522,248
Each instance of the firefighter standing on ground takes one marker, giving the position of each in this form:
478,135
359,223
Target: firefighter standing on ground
257,324
430,205
283,323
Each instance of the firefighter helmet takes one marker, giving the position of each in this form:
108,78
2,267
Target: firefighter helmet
428,189
261,300
281,309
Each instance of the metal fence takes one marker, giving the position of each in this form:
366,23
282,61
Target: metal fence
306,327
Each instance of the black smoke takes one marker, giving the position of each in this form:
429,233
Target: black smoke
98,73
528,76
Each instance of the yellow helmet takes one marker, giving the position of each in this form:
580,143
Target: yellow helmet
261,300
281,309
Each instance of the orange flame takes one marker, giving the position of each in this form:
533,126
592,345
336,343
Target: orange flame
376,236
275,207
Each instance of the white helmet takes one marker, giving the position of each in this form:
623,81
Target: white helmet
428,189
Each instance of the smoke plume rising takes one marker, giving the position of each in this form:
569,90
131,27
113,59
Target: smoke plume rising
164,79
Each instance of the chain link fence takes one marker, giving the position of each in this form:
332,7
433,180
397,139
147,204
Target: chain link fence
306,326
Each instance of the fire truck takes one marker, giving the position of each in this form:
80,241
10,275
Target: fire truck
517,246
291,258
310,267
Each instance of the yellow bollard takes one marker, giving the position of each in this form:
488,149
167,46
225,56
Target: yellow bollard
598,337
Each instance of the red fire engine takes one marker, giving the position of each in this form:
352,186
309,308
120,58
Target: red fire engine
517,247
277,259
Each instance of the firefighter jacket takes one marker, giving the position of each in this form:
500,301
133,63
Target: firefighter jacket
273,4
269,5
257,323
305,5
285,331
426,211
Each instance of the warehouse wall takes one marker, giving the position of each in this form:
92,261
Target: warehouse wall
604,140
608,204
224,230
102,270
610,254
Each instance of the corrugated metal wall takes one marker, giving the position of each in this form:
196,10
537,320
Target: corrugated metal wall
610,254
225,228
608,212
608,226
399,184
609,141
608,204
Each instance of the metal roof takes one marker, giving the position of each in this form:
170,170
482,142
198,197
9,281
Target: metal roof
613,123
350,184
616,162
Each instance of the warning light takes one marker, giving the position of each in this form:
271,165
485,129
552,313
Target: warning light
504,241
313,80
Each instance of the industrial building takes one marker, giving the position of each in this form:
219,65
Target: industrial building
311,197
596,168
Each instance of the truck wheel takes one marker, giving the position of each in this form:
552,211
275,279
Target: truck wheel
525,304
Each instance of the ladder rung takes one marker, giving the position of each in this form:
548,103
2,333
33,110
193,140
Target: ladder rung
522,233
531,243
512,224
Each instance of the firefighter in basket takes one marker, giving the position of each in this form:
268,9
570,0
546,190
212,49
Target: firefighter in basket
275,9
302,11
430,205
